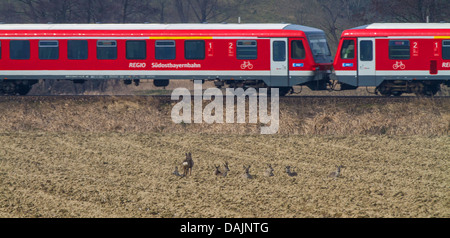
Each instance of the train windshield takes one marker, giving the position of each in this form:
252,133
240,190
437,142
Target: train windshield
320,49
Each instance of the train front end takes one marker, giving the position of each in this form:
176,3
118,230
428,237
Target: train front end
310,61
323,61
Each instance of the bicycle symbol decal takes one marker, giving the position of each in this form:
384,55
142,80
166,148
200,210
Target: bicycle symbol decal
399,65
246,65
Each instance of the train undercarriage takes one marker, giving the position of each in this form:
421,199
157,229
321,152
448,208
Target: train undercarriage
16,87
387,88
249,83
398,87
318,85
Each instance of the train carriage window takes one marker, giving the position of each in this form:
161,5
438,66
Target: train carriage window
136,49
446,49
297,49
20,49
366,50
319,46
348,49
77,49
279,51
165,50
399,49
194,49
48,49
106,49
246,49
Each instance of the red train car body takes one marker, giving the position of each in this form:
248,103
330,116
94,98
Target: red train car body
395,58
271,55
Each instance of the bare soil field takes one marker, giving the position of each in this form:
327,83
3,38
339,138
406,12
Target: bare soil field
130,175
114,157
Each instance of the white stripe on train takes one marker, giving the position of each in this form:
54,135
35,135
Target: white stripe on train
148,72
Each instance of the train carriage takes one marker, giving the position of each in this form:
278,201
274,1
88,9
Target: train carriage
395,58
240,55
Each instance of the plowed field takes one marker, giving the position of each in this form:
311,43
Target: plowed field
94,158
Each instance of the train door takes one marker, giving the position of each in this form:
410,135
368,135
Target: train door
366,62
279,70
345,64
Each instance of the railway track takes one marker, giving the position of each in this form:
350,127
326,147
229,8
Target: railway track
286,99
168,96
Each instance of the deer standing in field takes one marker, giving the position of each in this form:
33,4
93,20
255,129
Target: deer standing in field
188,163
289,172
247,174
269,171
336,173
222,174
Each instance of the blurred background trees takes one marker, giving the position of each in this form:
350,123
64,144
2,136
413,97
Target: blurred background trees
333,16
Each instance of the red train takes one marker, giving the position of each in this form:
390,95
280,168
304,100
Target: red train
257,55
395,58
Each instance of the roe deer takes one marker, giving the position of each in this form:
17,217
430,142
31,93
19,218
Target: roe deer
176,173
247,174
222,174
217,172
269,171
336,173
289,172
188,163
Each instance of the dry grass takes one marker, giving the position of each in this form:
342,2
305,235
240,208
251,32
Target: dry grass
305,116
113,157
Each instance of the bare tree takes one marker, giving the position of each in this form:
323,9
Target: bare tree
331,16
183,10
147,10
125,10
413,10
102,10
60,11
9,12
162,4
30,9
203,9
40,11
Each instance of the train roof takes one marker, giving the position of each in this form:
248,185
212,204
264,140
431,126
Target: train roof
399,29
206,26
258,30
